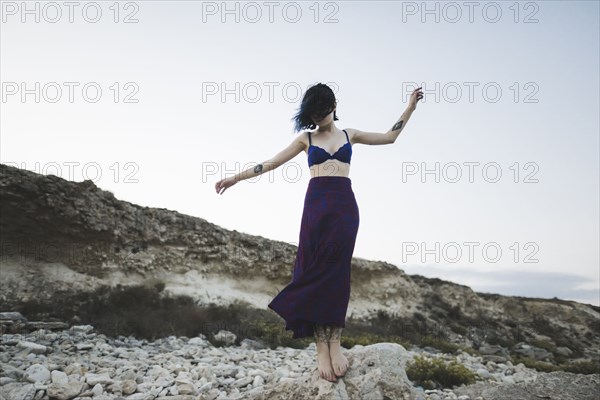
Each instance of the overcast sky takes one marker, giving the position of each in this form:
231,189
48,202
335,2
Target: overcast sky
493,183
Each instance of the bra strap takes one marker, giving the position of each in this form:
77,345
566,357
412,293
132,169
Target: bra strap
309,141
346,135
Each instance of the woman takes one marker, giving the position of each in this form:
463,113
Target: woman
316,300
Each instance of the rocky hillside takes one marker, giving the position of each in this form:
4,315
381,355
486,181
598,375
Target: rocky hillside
60,236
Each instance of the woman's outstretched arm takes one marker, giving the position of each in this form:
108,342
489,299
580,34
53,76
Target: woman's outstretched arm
390,136
399,125
277,160
280,158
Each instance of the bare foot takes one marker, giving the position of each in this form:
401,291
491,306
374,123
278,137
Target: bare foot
338,361
324,362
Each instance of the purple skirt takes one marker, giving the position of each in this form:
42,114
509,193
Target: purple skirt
319,291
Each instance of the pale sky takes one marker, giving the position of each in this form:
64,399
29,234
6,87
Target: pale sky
191,93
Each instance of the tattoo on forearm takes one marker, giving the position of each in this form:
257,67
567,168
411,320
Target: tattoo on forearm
258,168
398,125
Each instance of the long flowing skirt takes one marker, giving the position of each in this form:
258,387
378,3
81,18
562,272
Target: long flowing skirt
319,291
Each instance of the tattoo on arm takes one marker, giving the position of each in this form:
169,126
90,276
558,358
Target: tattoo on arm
398,125
258,168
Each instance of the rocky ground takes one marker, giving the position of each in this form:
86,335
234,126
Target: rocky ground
77,363
66,245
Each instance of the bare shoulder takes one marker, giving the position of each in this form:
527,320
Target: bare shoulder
351,133
303,139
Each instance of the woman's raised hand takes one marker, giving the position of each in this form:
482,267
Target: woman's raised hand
415,97
224,184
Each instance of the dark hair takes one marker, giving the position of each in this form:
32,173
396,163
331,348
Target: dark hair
318,99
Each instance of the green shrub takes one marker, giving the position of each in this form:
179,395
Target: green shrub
275,334
455,313
418,316
456,328
565,341
363,339
544,344
154,283
506,342
383,315
543,326
440,344
446,347
510,322
581,367
436,374
540,366
143,312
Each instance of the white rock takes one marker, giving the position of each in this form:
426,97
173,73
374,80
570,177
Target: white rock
97,390
18,391
172,390
205,387
81,328
59,377
141,396
93,379
128,386
197,341
242,382
60,391
484,373
258,381
225,336
32,347
4,380
37,373
185,385
84,346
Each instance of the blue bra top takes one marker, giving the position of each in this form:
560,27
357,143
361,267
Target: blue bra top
317,155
